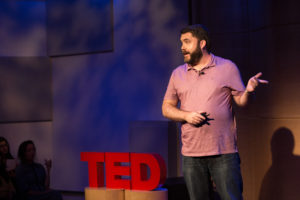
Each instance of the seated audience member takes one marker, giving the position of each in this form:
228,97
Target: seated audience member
33,181
7,189
7,159
7,171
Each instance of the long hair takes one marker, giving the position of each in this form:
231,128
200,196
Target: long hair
8,155
22,149
3,172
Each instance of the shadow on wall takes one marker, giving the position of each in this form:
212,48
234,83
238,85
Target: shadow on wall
282,180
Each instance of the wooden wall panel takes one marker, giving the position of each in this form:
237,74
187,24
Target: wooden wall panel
268,13
275,52
269,43
221,16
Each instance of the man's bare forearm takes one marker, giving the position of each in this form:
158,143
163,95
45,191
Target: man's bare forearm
173,113
243,99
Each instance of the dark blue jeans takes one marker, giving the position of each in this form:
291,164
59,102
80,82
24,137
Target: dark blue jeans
223,169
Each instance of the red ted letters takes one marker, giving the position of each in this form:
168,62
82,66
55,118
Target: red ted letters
137,167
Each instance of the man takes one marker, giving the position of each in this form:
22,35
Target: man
205,87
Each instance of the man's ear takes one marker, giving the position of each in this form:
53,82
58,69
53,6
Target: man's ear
202,44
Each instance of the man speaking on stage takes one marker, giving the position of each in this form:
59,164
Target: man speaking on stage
206,86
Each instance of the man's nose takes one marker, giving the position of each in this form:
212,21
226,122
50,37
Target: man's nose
182,48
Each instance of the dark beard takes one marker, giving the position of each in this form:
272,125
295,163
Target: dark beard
195,56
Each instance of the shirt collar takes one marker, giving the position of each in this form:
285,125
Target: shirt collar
212,63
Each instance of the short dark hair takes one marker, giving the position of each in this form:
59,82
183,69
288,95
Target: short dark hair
22,149
200,32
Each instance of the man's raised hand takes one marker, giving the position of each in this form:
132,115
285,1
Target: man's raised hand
254,82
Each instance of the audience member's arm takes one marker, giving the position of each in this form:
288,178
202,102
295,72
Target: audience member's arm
48,164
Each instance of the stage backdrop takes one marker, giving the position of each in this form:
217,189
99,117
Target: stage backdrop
101,81
96,96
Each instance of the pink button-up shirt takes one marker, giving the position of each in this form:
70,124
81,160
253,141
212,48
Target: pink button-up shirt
210,91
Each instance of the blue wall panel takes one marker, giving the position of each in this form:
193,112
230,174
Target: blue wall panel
79,27
22,28
95,97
